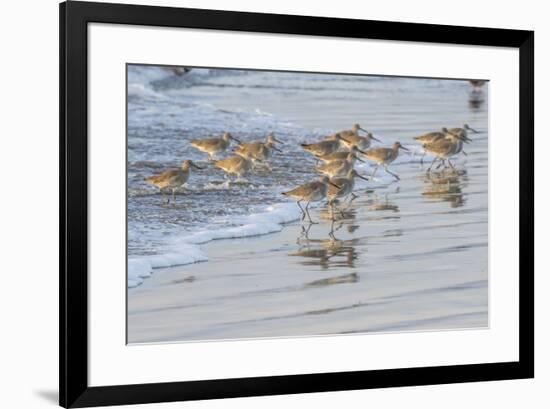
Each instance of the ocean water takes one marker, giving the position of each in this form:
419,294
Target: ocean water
400,232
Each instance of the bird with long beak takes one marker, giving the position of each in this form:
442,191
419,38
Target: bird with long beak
354,139
311,192
431,137
341,155
463,134
214,146
463,131
325,147
234,165
444,149
385,156
346,185
259,151
339,167
173,178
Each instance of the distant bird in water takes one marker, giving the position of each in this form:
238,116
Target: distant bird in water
385,156
310,192
258,151
236,165
477,84
178,70
214,146
172,179
325,147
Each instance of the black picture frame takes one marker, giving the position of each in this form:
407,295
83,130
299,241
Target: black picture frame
73,349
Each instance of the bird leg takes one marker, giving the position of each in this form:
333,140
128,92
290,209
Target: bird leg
174,195
448,160
375,169
331,233
464,153
430,168
302,210
162,195
308,215
422,158
391,173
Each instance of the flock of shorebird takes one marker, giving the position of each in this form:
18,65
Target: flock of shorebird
337,152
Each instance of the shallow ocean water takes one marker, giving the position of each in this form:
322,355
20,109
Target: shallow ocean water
405,255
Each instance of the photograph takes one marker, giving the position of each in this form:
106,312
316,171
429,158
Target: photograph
278,204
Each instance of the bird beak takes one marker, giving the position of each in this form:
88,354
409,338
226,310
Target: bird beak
360,151
195,166
363,177
358,158
402,147
236,140
335,185
275,148
364,130
278,141
376,139
473,130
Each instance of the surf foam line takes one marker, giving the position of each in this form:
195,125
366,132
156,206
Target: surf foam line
186,249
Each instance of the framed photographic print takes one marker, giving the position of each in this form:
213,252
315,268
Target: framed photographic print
258,204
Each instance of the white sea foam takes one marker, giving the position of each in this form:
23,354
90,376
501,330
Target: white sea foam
186,249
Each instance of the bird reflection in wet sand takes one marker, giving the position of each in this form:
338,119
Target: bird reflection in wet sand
383,204
446,186
327,253
343,279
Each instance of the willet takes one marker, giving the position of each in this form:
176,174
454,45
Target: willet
463,131
236,165
339,167
310,192
324,147
444,149
172,179
362,142
346,185
258,151
341,155
432,137
385,156
354,131
213,146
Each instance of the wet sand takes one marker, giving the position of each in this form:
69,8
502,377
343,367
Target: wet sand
361,278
